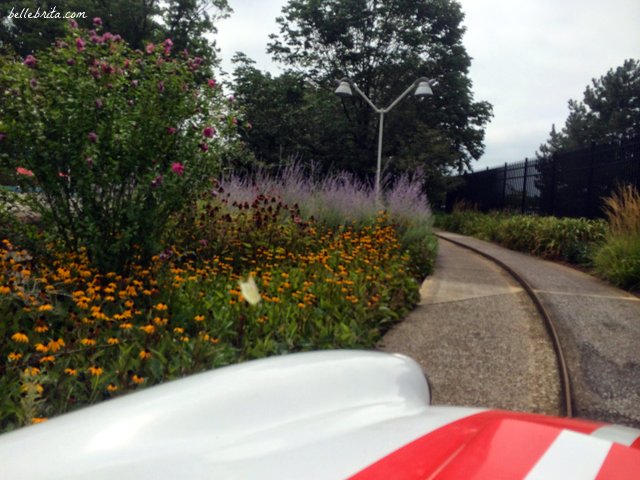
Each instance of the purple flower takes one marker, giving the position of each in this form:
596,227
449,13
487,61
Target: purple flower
130,102
80,44
30,61
93,137
33,82
150,48
97,21
171,130
204,147
107,36
71,62
208,132
73,24
161,86
2,136
177,168
99,103
134,83
212,83
89,161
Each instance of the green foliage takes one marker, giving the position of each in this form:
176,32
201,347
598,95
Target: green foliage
140,21
609,111
108,141
569,239
618,259
76,337
383,47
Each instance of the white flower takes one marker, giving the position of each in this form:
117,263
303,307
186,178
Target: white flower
250,291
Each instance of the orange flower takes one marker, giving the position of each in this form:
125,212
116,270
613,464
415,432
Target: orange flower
161,307
14,357
88,342
55,345
112,388
148,329
20,338
199,318
113,341
48,358
35,420
144,354
95,371
137,380
71,371
45,308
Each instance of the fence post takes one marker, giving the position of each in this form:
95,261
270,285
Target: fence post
504,187
524,186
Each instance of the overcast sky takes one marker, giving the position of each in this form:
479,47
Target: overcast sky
529,58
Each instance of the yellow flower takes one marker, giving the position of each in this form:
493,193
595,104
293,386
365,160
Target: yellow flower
113,341
13,357
144,354
41,348
31,371
199,318
45,308
55,345
20,338
112,388
48,358
148,329
35,420
88,341
95,371
161,307
41,328
137,380
71,371
126,326
178,330
250,291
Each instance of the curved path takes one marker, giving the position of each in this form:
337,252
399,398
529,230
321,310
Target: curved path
598,327
479,338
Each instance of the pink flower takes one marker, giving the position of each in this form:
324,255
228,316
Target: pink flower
2,136
33,82
168,43
63,175
73,24
99,103
204,147
71,62
150,48
97,21
93,137
24,171
161,86
208,132
89,161
30,61
212,83
156,182
171,130
177,168
80,44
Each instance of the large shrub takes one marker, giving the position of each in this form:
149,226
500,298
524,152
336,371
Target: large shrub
110,141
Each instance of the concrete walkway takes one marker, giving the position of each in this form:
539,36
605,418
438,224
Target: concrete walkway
598,326
479,338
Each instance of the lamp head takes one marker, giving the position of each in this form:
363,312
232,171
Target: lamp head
424,88
344,89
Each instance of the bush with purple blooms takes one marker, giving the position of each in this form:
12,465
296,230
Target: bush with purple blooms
109,142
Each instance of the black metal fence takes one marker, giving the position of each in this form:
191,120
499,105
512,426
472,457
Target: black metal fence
567,184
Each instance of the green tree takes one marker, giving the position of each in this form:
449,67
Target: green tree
138,21
291,119
610,110
384,46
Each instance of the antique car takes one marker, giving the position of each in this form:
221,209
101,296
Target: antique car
317,415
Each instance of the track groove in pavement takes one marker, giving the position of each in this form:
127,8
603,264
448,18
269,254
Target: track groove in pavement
479,338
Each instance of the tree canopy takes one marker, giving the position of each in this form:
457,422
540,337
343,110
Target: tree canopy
383,46
137,21
609,110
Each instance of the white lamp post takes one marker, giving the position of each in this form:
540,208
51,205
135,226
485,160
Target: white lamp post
422,88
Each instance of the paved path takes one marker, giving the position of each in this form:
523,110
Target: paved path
599,329
478,338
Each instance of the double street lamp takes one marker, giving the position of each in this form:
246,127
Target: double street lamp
422,87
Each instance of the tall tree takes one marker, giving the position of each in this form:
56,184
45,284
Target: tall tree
610,110
383,46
